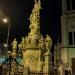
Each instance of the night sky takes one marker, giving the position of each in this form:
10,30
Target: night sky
19,11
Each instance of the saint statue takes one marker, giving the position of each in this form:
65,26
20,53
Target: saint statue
37,7
41,42
14,45
60,70
34,17
48,42
23,42
27,40
20,47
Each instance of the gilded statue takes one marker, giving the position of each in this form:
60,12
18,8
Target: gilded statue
34,17
41,42
20,46
48,42
23,42
14,44
27,40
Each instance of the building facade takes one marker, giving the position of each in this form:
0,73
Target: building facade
68,35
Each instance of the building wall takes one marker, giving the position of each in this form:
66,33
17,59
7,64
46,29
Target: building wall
68,36
63,30
67,54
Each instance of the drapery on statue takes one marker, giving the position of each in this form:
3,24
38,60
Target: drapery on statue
14,45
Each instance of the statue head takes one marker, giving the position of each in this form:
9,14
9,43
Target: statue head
15,39
36,1
48,38
47,35
26,37
41,36
22,38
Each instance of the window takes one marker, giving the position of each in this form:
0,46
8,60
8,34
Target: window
73,4
74,38
70,38
68,4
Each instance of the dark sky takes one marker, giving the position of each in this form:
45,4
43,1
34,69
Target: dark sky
19,11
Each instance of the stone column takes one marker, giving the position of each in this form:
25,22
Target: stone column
48,67
64,6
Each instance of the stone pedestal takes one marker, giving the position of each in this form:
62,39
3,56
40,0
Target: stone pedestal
48,66
31,58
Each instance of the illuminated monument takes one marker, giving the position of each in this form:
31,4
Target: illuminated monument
33,55
36,49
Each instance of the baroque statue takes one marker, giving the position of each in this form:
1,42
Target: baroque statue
34,46
48,42
14,44
41,42
23,42
34,17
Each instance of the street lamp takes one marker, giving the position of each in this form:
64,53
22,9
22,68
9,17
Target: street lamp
8,33
7,20
5,45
